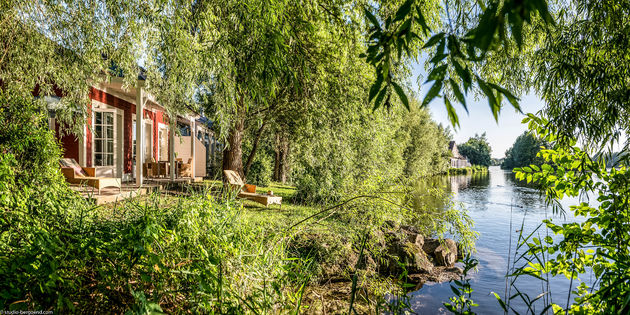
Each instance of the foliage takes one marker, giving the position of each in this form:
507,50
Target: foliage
523,152
581,72
363,146
477,150
600,243
467,170
462,302
437,214
425,144
464,41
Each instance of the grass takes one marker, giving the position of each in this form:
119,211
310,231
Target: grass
314,256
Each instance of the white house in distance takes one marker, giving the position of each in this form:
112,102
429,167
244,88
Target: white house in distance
457,160
130,128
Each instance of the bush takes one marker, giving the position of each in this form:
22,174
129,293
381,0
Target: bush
261,170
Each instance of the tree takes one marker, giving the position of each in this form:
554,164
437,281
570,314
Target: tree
582,72
477,150
523,152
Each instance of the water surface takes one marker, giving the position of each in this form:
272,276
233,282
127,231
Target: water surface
493,200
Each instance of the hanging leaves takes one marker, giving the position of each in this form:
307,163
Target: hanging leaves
499,23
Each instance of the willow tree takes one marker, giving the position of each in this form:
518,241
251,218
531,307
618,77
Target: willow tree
64,47
264,57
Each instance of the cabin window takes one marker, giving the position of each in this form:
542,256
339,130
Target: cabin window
104,138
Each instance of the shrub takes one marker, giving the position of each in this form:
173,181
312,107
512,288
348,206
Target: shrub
261,170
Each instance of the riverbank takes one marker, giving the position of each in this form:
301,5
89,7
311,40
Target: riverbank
467,170
396,258
190,248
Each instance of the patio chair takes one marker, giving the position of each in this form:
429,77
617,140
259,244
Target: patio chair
235,181
76,174
185,169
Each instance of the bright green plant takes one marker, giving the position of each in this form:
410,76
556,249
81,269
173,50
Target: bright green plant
602,242
462,302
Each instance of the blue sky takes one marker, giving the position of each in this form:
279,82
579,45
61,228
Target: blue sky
501,134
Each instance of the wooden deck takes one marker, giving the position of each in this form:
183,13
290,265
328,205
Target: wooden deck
181,180
113,194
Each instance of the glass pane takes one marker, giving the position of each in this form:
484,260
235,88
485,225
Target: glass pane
99,131
98,118
110,146
109,118
110,159
98,159
98,146
110,132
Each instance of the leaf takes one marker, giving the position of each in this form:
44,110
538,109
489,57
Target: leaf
403,10
379,98
433,92
455,291
437,74
511,98
492,101
376,86
372,19
422,21
452,114
401,94
437,58
458,94
463,74
433,40
503,306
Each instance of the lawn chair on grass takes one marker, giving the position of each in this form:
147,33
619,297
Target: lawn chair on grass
75,174
236,182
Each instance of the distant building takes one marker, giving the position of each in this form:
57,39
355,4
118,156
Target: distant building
457,160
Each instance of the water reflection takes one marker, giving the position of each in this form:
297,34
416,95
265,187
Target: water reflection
493,199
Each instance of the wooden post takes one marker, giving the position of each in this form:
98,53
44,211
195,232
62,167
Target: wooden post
193,136
171,144
139,132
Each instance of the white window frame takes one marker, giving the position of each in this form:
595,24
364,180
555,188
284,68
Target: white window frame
114,154
164,128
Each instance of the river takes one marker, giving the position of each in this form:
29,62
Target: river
493,199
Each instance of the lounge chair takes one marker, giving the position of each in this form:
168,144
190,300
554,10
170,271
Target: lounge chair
75,174
185,169
236,182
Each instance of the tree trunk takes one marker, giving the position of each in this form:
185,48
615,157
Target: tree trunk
233,154
281,164
252,154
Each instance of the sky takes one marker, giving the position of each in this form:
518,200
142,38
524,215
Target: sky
501,134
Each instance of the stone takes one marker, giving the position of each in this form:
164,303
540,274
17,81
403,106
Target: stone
407,253
416,239
419,262
429,246
446,254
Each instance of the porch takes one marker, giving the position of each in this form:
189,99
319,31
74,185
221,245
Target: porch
113,194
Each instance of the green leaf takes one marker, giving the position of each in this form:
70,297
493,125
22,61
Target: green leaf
463,73
376,86
372,19
422,21
452,114
458,94
379,98
492,101
403,10
433,40
433,92
455,291
401,94
503,306
511,98
437,74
